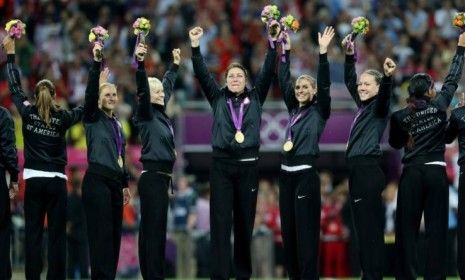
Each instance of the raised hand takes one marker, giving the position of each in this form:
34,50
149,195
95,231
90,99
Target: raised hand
287,41
348,45
141,51
274,29
195,34
389,67
461,42
8,45
97,51
325,38
103,78
176,56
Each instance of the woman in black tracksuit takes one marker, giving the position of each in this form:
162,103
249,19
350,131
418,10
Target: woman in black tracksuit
455,129
309,106
158,156
8,162
234,172
420,130
44,129
105,184
372,97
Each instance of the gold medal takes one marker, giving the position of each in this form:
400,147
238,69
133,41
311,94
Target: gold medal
288,146
120,161
239,137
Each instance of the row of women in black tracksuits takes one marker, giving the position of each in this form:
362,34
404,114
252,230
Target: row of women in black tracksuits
105,181
234,175
44,126
418,128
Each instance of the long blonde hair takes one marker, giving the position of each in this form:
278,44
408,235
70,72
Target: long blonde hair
45,100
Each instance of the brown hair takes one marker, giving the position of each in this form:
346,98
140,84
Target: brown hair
235,65
376,74
45,100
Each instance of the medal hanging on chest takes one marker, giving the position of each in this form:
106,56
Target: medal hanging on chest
239,137
289,144
237,120
118,140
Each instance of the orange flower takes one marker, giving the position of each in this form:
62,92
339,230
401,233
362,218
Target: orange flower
295,25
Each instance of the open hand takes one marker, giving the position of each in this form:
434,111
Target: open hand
325,38
103,78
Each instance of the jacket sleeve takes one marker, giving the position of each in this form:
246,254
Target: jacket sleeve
397,137
266,75
323,85
207,81
73,116
91,97
350,78
144,111
8,144
384,97
168,81
14,85
452,129
285,85
450,85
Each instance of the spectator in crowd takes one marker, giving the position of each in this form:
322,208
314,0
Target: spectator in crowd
184,219
76,230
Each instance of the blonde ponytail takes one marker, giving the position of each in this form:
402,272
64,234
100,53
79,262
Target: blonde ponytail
45,101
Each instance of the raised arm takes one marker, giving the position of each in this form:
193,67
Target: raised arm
323,77
73,116
91,97
170,76
385,89
14,80
144,111
350,75
284,78
209,86
397,137
450,85
266,74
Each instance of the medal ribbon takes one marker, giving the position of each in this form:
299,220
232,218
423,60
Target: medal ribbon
294,119
118,136
237,119
357,115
